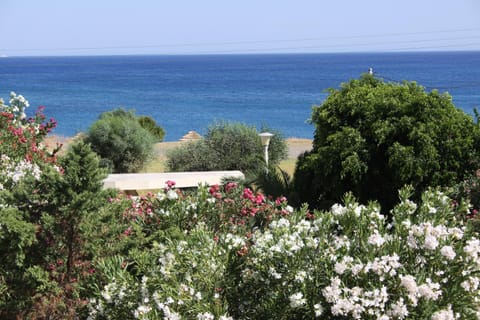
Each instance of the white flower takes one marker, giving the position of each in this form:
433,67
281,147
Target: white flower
398,310
205,316
300,276
471,284
472,249
338,209
280,223
340,267
448,252
409,283
332,292
429,290
376,239
198,296
358,210
172,195
274,274
431,242
297,300
318,310
141,311
444,314
211,200
410,206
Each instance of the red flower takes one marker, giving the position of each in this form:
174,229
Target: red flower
214,189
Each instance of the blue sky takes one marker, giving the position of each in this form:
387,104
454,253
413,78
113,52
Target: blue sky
105,27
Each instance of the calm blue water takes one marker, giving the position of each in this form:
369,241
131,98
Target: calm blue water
185,93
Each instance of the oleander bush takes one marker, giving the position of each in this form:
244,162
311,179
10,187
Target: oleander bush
229,253
121,141
45,204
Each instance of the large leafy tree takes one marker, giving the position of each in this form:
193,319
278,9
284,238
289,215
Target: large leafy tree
373,137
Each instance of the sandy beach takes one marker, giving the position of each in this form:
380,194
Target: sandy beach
296,146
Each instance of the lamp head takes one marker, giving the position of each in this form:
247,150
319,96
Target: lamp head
265,137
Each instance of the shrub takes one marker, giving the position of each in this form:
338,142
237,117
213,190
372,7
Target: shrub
45,206
372,138
118,138
151,126
227,146
226,252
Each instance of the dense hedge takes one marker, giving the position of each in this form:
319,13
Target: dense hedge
372,138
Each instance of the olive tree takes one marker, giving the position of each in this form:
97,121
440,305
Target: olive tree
228,146
119,138
373,137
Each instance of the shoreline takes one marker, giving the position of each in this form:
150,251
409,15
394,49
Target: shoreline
296,146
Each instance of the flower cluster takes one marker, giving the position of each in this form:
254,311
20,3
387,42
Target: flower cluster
226,251
228,208
22,137
358,266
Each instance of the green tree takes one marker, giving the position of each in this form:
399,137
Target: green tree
372,138
151,126
121,141
227,146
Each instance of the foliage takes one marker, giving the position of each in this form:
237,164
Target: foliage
118,138
467,193
21,136
228,146
183,245
45,203
151,126
73,250
372,138
224,253
276,182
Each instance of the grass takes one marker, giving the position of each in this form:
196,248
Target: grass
159,162
288,165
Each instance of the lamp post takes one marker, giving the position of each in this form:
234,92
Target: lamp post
265,137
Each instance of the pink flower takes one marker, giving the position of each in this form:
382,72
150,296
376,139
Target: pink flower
248,194
259,199
128,231
170,184
230,186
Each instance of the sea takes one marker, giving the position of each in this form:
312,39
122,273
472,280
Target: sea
192,92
